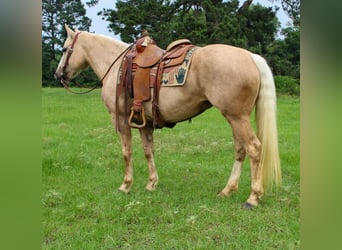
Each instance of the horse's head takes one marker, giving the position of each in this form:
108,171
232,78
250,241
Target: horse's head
72,60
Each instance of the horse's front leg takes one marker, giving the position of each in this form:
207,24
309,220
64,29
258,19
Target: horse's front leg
126,144
146,135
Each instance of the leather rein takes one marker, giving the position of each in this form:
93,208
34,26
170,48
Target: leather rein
70,51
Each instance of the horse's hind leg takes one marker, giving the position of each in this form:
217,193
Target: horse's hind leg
146,135
245,136
233,181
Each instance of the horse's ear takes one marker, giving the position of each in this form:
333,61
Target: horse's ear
69,31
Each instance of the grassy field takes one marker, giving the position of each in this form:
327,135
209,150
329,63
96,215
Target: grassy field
83,167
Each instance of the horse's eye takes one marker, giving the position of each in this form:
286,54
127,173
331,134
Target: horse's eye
64,49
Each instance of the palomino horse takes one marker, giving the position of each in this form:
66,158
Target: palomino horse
231,79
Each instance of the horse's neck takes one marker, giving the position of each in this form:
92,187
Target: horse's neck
101,52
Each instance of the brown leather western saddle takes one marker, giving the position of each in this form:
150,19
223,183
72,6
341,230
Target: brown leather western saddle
141,70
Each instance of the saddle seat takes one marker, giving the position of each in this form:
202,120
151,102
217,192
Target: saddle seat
142,69
149,56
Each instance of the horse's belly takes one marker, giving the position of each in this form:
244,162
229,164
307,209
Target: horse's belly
176,104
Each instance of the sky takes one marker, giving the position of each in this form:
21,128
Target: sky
99,26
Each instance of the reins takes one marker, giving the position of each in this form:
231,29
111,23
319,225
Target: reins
65,85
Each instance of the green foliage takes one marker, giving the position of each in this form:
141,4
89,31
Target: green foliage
250,26
82,167
92,2
191,25
223,23
287,85
292,8
207,22
259,26
284,55
203,22
133,16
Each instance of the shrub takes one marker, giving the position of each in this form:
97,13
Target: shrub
287,85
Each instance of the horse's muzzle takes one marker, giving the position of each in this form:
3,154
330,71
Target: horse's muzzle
58,76
61,77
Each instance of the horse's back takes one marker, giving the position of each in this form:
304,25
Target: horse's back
228,76
225,59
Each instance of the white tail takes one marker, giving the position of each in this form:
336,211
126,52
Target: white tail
266,121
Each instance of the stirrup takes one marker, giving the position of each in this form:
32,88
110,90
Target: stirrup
134,125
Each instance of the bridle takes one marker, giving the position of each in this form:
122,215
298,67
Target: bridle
66,64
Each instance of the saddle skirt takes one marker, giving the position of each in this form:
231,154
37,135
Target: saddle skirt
175,71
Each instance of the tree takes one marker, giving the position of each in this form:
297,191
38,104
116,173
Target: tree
133,16
55,13
260,25
222,22
249,26
191,25
201,21
292,8
284,55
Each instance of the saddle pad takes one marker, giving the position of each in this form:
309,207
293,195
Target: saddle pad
176,76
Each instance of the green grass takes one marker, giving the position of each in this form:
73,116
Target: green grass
83,167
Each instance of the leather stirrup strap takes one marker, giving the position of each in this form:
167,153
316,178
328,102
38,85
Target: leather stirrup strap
158,120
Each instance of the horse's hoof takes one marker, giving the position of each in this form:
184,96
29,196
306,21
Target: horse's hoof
123,190
247,205
150,188
222,195
225,193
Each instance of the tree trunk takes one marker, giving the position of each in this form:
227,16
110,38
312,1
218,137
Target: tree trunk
245,5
